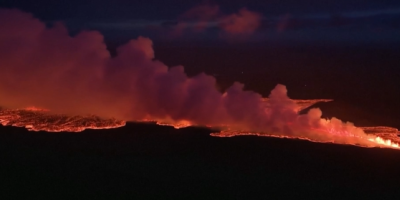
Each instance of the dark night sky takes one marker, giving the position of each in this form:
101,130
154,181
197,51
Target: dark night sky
154,9
355,21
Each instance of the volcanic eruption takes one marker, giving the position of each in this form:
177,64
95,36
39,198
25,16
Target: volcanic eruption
76,76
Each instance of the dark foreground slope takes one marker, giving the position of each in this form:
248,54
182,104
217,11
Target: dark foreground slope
152,162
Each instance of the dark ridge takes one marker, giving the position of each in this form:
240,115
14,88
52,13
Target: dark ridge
146,161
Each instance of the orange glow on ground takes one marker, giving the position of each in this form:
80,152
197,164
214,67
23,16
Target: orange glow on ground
35,119
177,125
38,119
376,136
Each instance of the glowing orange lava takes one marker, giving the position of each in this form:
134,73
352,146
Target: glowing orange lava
376,137
177,125
35,119
329,131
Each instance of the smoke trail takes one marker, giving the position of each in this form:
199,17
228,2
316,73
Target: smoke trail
46,67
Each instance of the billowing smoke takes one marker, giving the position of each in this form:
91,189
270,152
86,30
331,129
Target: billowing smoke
47,68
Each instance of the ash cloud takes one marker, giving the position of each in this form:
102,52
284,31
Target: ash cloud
46,67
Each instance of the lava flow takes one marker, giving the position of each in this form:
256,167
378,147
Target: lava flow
35,119
376,139
376,136
379,136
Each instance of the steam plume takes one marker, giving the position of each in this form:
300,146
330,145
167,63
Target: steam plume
48,68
